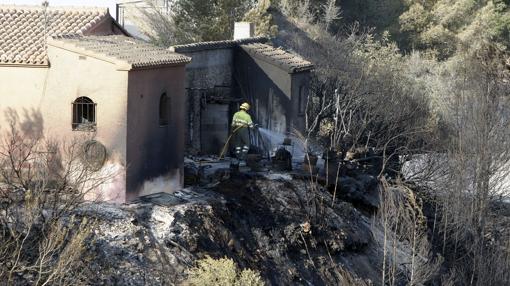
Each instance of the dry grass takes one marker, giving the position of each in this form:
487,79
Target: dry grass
41,184
220,272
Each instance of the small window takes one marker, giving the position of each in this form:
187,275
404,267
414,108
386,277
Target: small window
303,98
163,110
84,114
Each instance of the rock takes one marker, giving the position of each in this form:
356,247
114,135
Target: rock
306,227
362,189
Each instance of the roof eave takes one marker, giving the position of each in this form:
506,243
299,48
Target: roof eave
302,69
289,69
148,67
21,65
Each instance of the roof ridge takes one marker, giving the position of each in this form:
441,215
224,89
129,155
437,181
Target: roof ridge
252,39
66,36
208,45
284,49
55,8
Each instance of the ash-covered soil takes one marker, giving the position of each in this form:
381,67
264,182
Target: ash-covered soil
281,225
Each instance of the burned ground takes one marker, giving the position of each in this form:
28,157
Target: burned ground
277,224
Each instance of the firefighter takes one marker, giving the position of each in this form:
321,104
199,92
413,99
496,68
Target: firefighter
240,124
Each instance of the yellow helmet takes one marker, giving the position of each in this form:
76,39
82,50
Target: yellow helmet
245,106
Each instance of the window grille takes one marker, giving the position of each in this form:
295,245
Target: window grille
84,114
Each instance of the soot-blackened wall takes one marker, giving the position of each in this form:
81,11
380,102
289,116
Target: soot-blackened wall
155,149
217,80
208,84
277,96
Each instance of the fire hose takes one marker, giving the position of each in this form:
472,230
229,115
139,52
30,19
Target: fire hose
224,149
228,141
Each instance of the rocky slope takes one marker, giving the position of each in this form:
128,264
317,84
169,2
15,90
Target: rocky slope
277,224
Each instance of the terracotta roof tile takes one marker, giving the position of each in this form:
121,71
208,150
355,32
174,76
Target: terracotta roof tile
291,62
126,50
23,33
214,45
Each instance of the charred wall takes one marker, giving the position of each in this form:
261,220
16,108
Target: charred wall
218,80
155,148
299,99
209,88
269,89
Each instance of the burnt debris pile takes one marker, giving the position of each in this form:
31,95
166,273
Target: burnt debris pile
292,228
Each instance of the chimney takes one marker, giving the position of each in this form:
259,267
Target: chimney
243,30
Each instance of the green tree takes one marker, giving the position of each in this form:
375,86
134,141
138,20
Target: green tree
263,20
441,26
188,21
198,20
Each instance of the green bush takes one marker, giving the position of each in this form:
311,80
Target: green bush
220,272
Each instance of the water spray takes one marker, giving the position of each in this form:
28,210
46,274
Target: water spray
276,139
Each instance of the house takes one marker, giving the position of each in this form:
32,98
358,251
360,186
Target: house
132,13
87,78
225,73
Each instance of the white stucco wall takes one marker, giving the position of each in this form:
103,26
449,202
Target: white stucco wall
279,77
51,91
72,76
269,89
21,87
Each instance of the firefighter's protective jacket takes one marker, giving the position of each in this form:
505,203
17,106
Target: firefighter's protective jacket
242,119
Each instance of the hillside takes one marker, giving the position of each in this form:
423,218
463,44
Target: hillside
406,109
257,219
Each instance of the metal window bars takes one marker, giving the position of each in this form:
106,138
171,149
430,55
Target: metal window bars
84,114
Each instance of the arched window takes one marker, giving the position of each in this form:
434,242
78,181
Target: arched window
164,107
84,114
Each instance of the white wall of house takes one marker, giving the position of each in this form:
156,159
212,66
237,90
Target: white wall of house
132,17
137,152
21,87
50,92
72,76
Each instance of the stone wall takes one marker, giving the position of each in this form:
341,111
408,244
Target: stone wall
218,80
209,83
